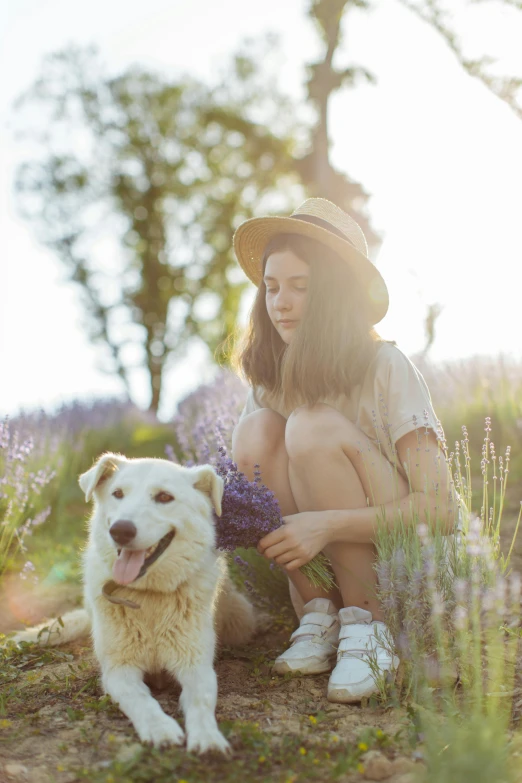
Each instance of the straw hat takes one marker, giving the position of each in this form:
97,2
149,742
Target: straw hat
319,219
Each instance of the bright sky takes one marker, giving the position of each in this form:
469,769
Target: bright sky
441,156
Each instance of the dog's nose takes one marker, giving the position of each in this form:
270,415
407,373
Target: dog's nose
123,531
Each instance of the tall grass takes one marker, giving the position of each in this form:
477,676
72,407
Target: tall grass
453,606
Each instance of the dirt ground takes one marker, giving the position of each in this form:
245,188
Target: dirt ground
57,727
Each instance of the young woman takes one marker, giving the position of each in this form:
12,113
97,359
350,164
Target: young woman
343,428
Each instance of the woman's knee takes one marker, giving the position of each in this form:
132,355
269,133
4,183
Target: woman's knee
257,437
314,429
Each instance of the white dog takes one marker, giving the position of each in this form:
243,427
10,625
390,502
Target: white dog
156,593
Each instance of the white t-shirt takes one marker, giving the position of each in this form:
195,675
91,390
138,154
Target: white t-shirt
392,400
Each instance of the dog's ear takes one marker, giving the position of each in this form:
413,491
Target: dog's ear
208,482
100,472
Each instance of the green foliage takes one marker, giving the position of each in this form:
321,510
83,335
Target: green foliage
139,184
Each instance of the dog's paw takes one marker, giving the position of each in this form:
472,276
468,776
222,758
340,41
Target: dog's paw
207,738
162,730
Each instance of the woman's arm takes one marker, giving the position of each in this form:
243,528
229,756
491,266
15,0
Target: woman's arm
431,501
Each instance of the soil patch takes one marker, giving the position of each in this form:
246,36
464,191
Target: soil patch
57,727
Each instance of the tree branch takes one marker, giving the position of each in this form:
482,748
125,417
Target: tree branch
504,87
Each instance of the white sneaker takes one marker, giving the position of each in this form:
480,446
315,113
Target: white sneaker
314,643
359,643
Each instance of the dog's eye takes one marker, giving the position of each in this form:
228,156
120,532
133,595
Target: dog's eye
118,493
163,497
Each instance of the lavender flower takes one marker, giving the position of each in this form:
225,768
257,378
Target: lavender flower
37,447
20,483
203,427
207,417
249,509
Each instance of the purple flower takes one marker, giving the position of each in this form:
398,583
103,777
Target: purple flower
207,417
249,509
203,426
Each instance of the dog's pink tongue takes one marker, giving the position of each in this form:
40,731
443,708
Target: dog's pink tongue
128,565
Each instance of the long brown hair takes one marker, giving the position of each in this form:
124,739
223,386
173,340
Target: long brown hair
332,345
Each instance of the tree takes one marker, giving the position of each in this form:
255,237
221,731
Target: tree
324,79
168,169
315,169
507,88
138,187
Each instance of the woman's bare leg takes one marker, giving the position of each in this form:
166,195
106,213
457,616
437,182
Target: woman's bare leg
259,439
333,465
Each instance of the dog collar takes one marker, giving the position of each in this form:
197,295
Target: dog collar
108,590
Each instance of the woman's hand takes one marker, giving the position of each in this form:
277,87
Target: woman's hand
300,538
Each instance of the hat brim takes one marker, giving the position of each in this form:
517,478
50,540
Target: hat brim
252,237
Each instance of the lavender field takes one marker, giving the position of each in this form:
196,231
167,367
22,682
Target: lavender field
453,614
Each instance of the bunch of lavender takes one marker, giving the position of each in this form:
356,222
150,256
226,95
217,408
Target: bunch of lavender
21,481
203,427
250,511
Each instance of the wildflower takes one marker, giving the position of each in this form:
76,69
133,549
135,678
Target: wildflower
383,570
379,734
362,746
261,759
249,511
203,428
360,768
312,719
422,531
302,751
460,617
19,485
169,451
437,604
460,587
207,416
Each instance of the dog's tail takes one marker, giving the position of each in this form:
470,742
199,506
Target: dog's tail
236,621
73,625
